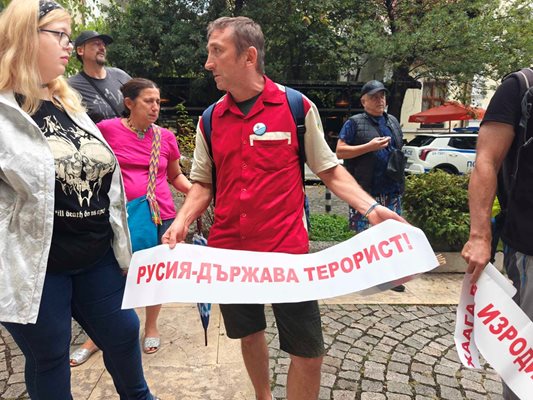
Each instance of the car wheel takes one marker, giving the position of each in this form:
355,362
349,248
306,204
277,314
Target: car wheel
448,169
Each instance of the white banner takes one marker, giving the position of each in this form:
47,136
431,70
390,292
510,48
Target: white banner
382,256
489,320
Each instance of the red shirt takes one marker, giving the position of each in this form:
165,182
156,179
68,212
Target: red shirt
260,197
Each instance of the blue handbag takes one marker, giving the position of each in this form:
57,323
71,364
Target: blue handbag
143,231
143,212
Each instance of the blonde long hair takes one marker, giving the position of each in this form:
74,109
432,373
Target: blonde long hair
19,48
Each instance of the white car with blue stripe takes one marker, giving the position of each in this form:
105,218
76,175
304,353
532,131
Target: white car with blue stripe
453,153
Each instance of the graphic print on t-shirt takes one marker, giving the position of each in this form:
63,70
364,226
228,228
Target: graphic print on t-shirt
84,167
101,106
81,160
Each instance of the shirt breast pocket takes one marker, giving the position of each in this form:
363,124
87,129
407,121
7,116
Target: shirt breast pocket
272,151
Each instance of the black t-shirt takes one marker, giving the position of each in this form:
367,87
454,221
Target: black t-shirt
505,107
84,167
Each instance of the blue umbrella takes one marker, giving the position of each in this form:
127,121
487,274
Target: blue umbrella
205,311
203,308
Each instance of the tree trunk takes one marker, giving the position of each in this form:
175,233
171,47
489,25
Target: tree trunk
401,81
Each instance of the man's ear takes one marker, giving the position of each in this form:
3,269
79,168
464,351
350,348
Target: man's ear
251,56
80,50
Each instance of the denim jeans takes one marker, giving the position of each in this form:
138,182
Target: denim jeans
93,297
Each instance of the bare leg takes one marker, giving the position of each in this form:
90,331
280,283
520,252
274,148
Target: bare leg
150,325
255,355
303,380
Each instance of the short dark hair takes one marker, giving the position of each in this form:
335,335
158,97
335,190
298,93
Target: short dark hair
133,88
246,33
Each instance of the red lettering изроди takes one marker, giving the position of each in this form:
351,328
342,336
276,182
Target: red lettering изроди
487,313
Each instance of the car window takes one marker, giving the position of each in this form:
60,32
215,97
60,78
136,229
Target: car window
421,140
465,143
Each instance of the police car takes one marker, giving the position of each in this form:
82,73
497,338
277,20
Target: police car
453,153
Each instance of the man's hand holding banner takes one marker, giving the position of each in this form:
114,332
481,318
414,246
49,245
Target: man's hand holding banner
489,320
382,256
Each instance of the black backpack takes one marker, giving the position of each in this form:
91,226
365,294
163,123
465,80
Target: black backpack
296,105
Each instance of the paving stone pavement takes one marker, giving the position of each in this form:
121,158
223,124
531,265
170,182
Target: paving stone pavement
399,352
373,352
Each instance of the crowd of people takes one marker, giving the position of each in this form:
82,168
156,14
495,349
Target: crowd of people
78,154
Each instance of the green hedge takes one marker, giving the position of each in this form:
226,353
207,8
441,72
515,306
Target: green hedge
437,203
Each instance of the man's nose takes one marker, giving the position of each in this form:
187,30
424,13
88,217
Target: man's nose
208,64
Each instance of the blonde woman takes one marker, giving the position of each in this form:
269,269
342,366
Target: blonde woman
62,213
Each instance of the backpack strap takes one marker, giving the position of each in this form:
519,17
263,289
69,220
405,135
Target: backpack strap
525,80
296,105
207,118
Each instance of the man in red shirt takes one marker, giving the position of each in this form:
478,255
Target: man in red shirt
260,199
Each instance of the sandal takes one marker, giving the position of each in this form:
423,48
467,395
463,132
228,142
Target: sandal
151,344
80,355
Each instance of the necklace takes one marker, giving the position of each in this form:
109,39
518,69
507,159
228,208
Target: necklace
139,132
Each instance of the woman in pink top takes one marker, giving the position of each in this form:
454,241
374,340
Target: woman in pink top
131,140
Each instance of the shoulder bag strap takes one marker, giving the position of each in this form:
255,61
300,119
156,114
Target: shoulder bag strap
152,175
91,81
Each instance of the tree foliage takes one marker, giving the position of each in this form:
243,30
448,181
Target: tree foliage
451,40
158,38
448,40
302,42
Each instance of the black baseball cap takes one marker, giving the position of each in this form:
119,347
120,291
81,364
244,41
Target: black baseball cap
88,35
372,87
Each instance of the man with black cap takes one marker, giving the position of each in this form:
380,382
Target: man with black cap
98,85
366,142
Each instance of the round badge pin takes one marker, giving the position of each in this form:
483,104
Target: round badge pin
260,129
